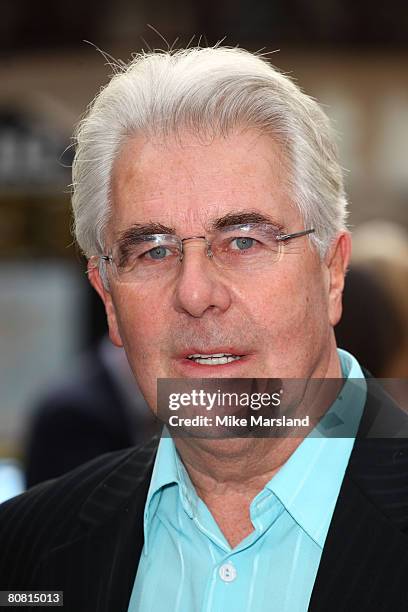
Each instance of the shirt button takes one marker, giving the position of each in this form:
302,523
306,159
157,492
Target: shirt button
227,572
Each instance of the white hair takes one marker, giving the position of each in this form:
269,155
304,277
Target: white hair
207,90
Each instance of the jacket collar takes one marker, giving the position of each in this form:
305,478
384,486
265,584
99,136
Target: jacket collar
123,483
366,548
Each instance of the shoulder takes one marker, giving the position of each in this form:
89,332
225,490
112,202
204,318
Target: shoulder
53,513
379,461
383,417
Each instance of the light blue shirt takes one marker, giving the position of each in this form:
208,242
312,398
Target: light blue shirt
188,566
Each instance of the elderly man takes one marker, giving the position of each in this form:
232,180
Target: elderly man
209,201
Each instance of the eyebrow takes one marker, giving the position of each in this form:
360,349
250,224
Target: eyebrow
138,231
243,217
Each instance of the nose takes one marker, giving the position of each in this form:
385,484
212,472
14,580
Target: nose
199,287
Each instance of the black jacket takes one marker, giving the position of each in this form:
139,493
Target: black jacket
83,533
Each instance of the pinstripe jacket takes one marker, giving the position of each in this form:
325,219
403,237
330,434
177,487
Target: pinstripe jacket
83,533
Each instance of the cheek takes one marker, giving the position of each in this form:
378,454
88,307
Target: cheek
290,308
308,312
140,323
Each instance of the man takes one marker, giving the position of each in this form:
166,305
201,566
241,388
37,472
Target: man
95,409
209,201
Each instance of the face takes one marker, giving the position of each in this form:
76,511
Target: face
277,320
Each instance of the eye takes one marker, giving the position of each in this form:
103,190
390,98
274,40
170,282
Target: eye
158,253
243,244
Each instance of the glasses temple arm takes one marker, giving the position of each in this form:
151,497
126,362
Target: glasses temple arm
283,237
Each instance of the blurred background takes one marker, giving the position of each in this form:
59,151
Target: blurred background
351,56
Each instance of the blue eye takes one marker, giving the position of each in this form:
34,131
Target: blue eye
159,252
244,244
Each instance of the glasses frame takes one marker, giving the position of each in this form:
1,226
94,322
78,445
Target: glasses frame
108,257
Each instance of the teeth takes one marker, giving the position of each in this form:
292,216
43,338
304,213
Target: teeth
204,356
214,359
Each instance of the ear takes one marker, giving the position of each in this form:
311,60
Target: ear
106,296
337,263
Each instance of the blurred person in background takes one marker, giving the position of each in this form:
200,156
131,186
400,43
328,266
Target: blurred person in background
374,325
97,409
380,248
371,327
209,200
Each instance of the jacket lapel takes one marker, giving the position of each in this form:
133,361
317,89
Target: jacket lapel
364,565
97,565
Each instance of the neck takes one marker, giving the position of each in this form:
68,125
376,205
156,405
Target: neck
228,474
220,467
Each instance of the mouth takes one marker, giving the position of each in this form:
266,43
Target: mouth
213,359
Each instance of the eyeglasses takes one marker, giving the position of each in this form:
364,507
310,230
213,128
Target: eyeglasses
237,248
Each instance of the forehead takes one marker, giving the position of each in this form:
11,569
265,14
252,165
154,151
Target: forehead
186,183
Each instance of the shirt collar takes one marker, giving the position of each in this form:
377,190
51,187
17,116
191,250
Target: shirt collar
168,470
